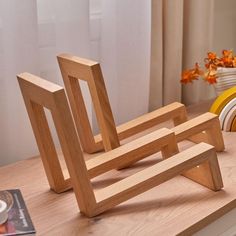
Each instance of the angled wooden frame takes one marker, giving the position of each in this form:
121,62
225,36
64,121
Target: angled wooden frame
198,163
90,72
74,69
39,93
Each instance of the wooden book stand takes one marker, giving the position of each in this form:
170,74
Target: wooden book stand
198,163
205,128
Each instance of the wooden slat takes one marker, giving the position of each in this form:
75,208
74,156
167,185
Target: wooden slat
155,175
67,135
146,121
40,91
207,122
193,126
72,153
36,88
132,152
74,68
78,106
69,62
103,110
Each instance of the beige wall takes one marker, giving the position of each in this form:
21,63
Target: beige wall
224,25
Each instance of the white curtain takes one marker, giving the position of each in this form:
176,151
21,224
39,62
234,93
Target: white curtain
113,32
32,33
125,55
19,52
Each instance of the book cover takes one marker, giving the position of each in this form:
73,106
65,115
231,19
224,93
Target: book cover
19,221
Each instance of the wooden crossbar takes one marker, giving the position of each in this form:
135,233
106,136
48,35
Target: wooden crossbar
172,111
207,122
142,181
161,140
205,127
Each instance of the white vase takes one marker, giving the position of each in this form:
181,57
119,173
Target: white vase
226,79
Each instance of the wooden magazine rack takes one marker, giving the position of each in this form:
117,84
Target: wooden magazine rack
205,128
198,163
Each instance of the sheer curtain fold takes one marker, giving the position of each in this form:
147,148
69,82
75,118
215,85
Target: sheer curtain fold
156,63
166,52
172,49
32,33
19,53
181,35
125,55
38,30
197,41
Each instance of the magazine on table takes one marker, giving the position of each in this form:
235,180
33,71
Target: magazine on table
19,221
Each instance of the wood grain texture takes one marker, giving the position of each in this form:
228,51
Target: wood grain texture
129,153
174,111
207,122
159,211
202,129
72,153
207,174
56,102
34,88
37,89
41,93
89,203
157,174
74,69
161,140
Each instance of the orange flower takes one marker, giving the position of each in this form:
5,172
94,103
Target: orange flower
227,58
211,55
197,70
211,79
234,62
189,75
212,62
210,76
228,61
227,53
219,63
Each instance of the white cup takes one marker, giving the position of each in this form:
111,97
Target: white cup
3,212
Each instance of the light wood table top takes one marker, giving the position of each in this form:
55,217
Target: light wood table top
177,207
